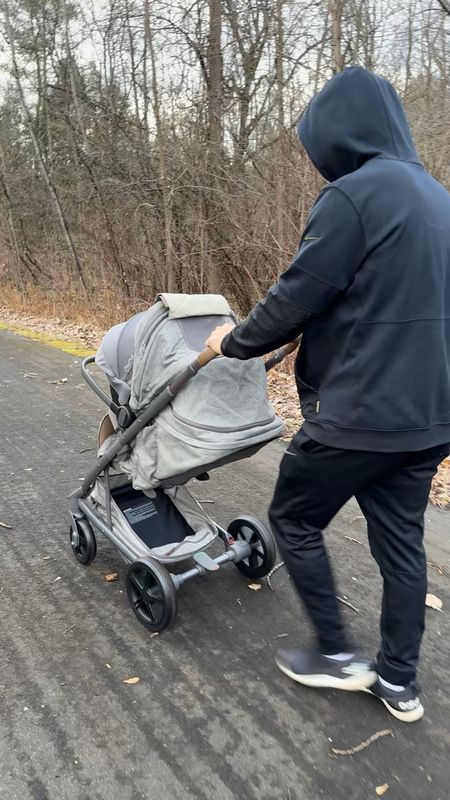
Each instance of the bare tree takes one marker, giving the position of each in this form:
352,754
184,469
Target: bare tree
151,145
161,140
28,122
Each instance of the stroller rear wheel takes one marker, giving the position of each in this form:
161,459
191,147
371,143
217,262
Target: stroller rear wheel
151,594
82,540
263,555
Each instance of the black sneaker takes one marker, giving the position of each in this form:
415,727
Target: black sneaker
404,705
314,669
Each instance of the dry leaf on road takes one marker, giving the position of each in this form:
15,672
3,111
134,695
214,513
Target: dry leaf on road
113,576
255,586
132,680
380,790
433,602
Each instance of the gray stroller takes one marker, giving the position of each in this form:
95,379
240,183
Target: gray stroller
175,413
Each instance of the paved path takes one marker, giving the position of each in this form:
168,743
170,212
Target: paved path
211,716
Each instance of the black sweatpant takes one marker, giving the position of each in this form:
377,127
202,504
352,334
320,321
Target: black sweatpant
392,490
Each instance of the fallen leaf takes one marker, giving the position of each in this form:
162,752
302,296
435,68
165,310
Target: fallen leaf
4,525
113,576
433,602
255,586
380,790
132,680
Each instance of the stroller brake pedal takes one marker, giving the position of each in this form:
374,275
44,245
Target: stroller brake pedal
205,561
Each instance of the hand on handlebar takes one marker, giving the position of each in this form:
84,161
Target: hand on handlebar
216,338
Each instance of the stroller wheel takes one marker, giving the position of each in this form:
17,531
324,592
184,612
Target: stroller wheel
82,540
263,556
151,594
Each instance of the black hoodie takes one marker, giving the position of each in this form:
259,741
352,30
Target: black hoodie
369,287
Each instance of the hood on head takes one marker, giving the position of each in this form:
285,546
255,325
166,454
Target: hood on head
355,117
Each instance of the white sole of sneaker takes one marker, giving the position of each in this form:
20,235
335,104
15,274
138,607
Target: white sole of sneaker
403,716
354,683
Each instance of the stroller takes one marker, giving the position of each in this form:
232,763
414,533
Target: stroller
175,413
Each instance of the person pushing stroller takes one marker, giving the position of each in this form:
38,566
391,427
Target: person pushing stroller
369,290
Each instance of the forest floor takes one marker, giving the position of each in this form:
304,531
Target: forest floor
282,387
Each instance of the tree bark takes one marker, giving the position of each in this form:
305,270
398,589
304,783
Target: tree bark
336,9
215,87
161,141
215,138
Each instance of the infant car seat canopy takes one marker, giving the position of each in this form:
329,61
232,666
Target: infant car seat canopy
221,415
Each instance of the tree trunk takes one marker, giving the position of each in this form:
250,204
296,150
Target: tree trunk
336,9
215,87
161,141
215,135
279,56
280,179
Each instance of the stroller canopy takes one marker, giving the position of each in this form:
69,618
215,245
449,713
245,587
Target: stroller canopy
115,356
221,415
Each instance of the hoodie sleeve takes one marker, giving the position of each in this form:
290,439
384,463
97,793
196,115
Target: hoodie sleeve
331,250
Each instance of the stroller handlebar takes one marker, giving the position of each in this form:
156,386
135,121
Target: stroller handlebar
206,356
279,355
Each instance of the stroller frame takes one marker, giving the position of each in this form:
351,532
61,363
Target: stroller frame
246,550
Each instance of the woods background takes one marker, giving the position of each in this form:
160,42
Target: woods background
149,146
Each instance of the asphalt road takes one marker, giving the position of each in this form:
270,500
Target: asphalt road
211,716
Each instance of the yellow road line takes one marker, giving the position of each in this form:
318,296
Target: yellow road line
72,348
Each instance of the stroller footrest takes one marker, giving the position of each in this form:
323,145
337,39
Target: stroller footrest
205,561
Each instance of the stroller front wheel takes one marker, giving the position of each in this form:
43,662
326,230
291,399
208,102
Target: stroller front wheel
82,540
151,594
263,556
